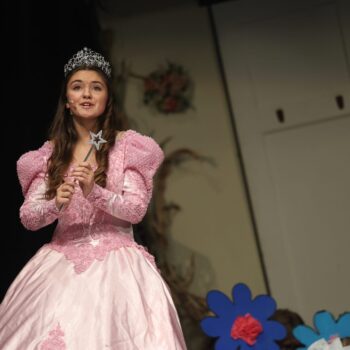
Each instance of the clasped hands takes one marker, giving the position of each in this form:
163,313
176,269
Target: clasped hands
82,174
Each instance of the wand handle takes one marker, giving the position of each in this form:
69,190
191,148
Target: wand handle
85,159
88,154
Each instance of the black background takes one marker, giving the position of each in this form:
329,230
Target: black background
38,37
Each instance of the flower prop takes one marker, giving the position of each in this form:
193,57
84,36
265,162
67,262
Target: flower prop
168,89
327,329
244,323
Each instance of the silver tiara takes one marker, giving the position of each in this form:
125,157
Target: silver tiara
88,58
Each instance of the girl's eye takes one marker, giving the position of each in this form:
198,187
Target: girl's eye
76,87
97,88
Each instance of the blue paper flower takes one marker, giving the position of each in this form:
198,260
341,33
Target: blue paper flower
326,328
242,324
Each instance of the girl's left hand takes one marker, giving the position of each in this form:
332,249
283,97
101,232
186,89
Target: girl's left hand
85,175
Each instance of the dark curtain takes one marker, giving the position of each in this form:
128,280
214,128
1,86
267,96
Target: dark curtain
211,2
38,37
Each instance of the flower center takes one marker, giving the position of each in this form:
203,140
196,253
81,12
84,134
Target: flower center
246,328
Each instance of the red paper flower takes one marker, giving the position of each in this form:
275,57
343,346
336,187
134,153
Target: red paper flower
246,328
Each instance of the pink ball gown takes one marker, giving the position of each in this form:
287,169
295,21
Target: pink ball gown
92,287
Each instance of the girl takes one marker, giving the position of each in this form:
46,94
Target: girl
92,287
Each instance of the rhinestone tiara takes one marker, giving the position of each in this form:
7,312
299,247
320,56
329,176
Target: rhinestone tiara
89,58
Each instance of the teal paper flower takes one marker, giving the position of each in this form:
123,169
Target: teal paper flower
326,328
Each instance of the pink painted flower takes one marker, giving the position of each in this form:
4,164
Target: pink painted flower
170,104
168,89
150,85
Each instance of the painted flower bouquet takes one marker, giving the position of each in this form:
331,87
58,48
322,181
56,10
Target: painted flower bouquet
168,89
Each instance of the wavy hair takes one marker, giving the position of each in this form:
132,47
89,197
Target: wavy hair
63,136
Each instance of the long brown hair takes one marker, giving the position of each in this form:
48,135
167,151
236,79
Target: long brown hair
63,136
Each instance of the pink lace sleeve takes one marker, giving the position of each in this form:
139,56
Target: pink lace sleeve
36,211
130,206
142,158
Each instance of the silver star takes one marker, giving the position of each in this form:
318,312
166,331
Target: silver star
96,139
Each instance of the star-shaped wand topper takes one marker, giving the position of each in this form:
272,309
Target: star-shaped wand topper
95,140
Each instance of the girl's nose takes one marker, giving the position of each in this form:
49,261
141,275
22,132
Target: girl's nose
86,92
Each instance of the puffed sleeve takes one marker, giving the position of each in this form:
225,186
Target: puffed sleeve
36,211
142,157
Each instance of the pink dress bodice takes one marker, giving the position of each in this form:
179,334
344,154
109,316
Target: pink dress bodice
91,227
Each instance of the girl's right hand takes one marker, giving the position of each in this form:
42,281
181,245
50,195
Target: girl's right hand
64,194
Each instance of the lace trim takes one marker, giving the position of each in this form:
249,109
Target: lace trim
84,254
54,340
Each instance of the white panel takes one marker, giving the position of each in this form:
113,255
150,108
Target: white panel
291,69
295,63
295,56
311,175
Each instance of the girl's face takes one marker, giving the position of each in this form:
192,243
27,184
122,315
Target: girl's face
87,94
